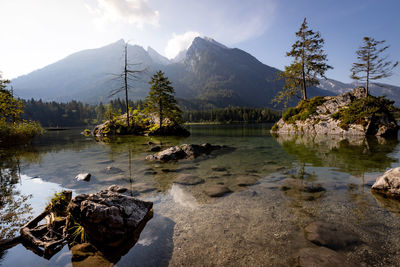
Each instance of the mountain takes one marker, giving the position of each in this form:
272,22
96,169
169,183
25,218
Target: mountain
156,57
88,75
207,72
377,89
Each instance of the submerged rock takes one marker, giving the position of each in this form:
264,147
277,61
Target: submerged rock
112,170
218,168
301,185
329,235
109,218
185,151
155,149
247,180
188,179
320,256
217,190
324,115
83,177
388,183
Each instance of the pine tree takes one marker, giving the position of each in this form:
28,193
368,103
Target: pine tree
372,65
308,65
10,107
161,100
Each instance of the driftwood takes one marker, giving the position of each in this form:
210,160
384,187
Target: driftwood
45,240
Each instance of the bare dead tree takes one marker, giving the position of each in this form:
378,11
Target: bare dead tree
127,75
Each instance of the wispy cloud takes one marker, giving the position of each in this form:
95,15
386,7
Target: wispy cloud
136,12
179,42
238,22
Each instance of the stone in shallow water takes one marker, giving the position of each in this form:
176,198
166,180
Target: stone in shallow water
320,256
83,177
109,218
247,180
301,185
330,235
388,183
218,168
155,149
188,179
112,170
217,190
118,189
185,151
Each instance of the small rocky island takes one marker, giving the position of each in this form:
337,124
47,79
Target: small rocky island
351,113
140,124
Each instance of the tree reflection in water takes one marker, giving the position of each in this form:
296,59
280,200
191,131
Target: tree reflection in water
352,154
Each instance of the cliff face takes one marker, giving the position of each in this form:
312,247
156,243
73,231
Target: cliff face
346,114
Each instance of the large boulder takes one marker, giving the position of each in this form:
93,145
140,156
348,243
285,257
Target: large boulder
109,218
322,115
185,151
388,183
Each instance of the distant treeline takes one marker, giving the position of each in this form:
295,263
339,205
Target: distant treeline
74,113
233,114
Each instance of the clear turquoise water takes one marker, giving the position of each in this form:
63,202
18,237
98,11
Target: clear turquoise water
259,225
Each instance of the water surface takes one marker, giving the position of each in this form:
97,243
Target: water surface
258,225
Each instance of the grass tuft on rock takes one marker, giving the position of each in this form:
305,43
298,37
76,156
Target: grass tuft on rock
304,109
59,203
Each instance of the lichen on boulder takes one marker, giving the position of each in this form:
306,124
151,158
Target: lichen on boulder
350,113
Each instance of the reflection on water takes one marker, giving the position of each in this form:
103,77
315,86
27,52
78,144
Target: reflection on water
297,180
353,154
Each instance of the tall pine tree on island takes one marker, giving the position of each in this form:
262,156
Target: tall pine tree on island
371,65
161,100
308,65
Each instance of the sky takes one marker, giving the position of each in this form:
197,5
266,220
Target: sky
38,33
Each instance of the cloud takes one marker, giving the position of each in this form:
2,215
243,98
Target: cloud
179,43
136,12
238,21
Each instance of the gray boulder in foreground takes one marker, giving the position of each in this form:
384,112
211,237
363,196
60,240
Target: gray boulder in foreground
108,217
185,151
388,183
322,121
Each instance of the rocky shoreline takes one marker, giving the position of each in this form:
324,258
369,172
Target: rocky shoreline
327,116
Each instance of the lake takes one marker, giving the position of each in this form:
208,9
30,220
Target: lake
300,180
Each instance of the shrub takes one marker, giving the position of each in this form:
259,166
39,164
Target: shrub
18,132
275,128
363,109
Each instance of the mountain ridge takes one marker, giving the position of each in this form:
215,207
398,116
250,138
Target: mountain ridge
207,71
